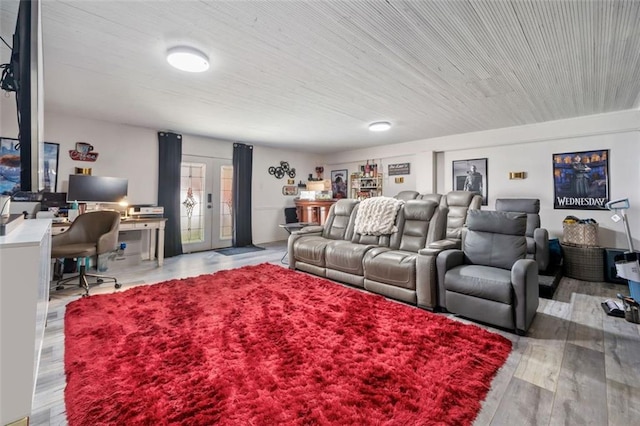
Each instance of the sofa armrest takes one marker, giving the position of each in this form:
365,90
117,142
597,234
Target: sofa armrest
445,261
430,251
304,232
541,238
427,279
524,278
313,229
446,244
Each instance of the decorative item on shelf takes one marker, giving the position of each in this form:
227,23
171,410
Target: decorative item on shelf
83,152
301,184
319,185
324,195
283,169
319,171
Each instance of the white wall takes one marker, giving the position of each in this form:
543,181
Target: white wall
530,148
132,152
268,202
123,151
389,186
524,148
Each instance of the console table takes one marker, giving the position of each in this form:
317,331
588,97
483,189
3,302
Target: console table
155,226
24,298
315,211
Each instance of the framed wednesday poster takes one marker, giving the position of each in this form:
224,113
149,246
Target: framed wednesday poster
581,180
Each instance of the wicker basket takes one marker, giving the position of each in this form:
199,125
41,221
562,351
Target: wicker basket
580,234
583,263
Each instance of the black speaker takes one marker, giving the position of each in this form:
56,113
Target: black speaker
611,255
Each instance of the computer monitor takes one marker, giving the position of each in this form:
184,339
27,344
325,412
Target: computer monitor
96,189
53,199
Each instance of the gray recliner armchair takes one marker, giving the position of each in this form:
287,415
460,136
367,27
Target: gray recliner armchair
489,279
537,237
459,203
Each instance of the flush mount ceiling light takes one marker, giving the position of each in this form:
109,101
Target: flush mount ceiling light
379,126
187,59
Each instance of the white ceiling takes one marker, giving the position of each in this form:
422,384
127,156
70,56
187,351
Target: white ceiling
311,75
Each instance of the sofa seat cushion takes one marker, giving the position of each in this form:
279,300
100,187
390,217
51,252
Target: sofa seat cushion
484,282
311,250
393,267
346,256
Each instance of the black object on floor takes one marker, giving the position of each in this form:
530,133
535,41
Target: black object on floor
549,281
231,251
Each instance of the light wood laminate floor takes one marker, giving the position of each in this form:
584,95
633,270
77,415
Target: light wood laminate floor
576,366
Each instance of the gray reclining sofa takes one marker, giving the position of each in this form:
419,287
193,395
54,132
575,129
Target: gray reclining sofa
385,264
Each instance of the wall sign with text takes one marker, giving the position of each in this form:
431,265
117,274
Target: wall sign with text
399,169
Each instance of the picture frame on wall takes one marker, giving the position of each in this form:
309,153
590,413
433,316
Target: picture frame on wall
290,190
10,166
581,180
339,183
50,166
471,175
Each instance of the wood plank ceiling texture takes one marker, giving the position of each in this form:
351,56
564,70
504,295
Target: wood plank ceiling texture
311,75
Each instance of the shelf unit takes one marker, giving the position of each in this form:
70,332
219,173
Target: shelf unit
362,186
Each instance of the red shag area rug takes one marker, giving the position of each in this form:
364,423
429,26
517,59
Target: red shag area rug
264,345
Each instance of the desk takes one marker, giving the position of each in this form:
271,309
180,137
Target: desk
149,224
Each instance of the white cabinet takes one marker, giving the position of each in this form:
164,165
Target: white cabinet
24,297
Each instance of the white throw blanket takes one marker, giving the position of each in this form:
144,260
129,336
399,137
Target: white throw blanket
377,216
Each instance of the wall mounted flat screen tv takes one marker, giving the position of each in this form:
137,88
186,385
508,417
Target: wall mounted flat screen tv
96,189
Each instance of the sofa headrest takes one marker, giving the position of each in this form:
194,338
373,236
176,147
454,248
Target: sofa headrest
344,207
459,198
419,209
432,197
507,223
407,195
524,205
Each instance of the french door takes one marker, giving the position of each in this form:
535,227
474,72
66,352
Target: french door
205,213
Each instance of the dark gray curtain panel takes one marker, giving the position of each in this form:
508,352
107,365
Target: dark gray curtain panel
170,156
242,170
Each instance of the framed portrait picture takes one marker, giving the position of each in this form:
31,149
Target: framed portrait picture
290,190
581,180
339,183
471,175
10,166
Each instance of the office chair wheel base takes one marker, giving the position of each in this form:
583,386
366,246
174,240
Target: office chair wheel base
60,287
100,280
117,285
